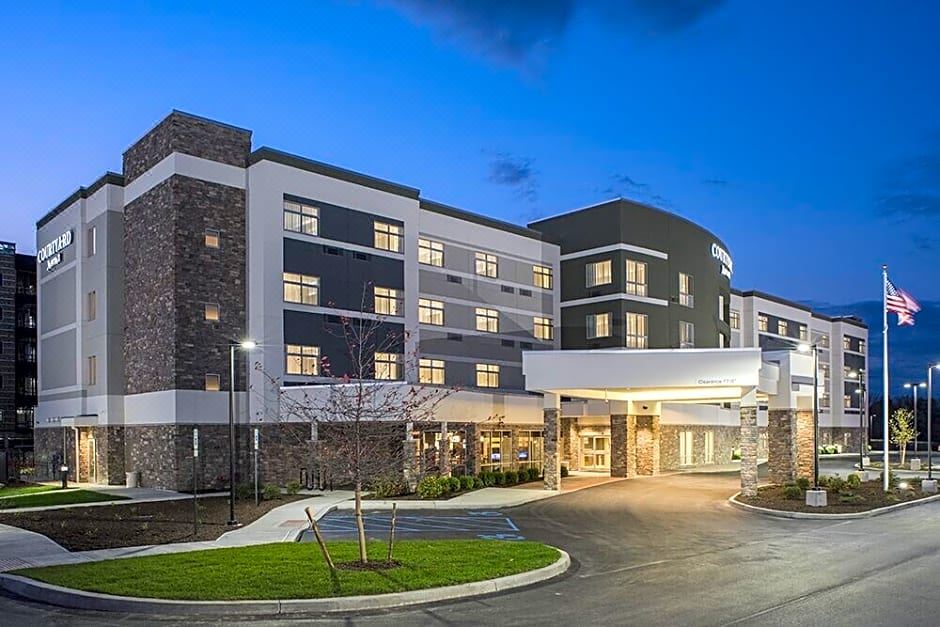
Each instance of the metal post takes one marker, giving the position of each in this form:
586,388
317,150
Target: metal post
884,375
195,481
232,522
929,421
862,424
815,417
255,453
914,387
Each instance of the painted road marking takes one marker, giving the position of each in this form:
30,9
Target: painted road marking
486,525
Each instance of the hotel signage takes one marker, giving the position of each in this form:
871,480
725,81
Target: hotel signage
51,253
719,253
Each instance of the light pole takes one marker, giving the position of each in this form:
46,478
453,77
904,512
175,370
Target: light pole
930,419
805,348
862,413
245,345
914,386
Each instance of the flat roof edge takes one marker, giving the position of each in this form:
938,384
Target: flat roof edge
108,178
469,216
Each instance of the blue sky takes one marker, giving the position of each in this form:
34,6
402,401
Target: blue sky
807,135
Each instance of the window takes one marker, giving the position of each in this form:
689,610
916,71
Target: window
846,343
487,375
213,383
212,312
709,447
301,218
824,369
387,301
761,322
804,334
686,335
721,307
430,253
487,320
486,264
722,341
686,290
637,335
431,371
597,273
823,341
91,305
824,400
543,328
861,346
91,243
782,327
847,401
430,311
735,319
636,277
213,238
303,360
388,236
301,288
91,376
598,325
387,366
685,448
542,277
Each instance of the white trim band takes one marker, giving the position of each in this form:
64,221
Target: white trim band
612,247
618,296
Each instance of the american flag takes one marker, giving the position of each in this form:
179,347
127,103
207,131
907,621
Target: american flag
901,303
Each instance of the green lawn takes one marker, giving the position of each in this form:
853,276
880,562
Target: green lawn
293,570
42,496
20,490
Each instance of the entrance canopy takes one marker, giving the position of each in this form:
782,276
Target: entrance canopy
670,375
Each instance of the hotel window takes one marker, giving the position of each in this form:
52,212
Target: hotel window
542,277
430,311
824,369
761,322
487,375
847,401
301,288
686,290
721,307
636,277
91,246
388,236
598,273
686,335
387,366
487,320
824,400
735,319
846,343
302,360
92,370
861,346
92,305
387,301
722,341
430,253
823,341
213,383
486,264
637,334
301,218
804,334
212,238
431,371
211,312
598,325
543,328
782,327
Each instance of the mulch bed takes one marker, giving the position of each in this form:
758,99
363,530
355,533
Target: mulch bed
772,497
162,522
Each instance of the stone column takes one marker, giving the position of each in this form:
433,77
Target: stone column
647,445
781,445
552,434
569,436
445,450
410,470
471,448
748,446
623,457
805,460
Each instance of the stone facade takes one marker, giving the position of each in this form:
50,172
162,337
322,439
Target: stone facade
781,431
552,449
726,440
749,451
622,441
647,445
805,460
848,438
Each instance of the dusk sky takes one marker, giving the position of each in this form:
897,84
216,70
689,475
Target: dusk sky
806,135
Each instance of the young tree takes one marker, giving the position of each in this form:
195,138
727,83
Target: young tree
902,430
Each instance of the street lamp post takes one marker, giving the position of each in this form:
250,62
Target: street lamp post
930,420
245,345
914,386
862,422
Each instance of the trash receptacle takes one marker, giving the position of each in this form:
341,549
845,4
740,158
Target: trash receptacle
132,479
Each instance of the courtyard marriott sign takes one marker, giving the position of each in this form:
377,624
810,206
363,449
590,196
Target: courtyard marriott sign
719,253
51,253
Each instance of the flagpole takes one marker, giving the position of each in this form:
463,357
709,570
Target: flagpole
884,369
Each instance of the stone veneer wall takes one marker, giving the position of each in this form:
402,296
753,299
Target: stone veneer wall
648,454
848,437
727,440
781,432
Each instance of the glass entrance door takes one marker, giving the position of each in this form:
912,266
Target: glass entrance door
595,452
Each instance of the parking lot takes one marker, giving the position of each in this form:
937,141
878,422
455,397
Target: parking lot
488,525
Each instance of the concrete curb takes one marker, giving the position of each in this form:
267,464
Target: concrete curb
76,599
124,501
776,513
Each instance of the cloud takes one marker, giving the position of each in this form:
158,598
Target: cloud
626,186
716,182
910,188
516,173
923,243
522,33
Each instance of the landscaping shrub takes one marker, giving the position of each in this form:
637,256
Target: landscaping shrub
467,482
836,483
430,487
499,478
244,491
292,487
792,492
892,479
824,482
444,483
387,487
478,483
453,484
533,473
851,498
270,492
510,477
802,483
488,478
564,471
853,481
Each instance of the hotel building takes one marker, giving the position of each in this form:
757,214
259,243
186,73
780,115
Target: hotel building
17,346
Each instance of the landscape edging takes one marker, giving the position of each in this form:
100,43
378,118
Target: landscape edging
39,591
777,513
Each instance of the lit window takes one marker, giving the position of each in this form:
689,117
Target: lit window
847,401
487,320
387,366
637,335
804,333
861,346
722,342
430,311
430,253
92,305
388,236
598,325
721,306
487,375
782,327
211,312
92,370
213,383
761,322
212,238
301,288
431,371
486,264
846,343
823,341
543,328
735,319
824,369
598,273
636,277
686,290
302,360
301,218
387,301
824,400
542,277
686,335
91,244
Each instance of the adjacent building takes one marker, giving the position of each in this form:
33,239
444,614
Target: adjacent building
17,347
150,276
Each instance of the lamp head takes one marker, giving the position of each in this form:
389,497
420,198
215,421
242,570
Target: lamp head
907,386
803,347
248,345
